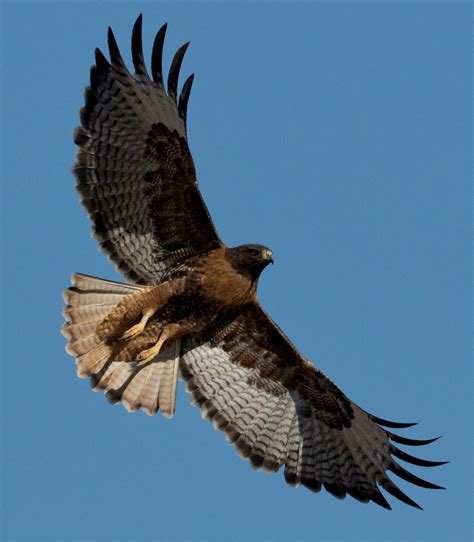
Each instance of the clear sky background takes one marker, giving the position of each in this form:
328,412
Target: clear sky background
337,133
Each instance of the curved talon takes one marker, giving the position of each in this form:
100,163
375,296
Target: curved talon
150,353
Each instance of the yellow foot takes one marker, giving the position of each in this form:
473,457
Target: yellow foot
150,353
170,331
138,328
133,331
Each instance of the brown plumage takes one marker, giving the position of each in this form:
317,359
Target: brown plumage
194,305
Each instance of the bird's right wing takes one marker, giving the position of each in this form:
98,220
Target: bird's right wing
279,409
134,171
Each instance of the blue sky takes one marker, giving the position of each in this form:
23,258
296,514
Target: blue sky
337,133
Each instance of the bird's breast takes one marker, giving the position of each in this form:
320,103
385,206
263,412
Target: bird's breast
222,285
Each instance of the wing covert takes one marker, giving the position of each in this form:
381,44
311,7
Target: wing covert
279,409
134,171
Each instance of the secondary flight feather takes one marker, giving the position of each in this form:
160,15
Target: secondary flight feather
192,306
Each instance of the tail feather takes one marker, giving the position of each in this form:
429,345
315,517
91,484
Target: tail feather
82,346
92,362
151,389
73,331
80,298
151,386
84,315
131,395
169,379
87,282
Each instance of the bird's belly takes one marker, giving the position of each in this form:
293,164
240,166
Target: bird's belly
191,309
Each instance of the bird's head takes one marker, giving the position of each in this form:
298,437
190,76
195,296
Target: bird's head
250,260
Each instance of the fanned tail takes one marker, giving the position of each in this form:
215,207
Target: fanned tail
151,386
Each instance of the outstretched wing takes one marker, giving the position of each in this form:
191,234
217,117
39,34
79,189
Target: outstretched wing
134,171
278,409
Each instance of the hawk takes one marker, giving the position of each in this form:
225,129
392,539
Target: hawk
191,305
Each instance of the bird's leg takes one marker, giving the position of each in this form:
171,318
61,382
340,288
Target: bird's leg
170,331
138,328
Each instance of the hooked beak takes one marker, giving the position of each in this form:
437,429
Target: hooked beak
268,256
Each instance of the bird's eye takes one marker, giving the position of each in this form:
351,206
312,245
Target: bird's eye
252,252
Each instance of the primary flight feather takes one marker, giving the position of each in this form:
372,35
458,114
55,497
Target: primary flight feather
192,308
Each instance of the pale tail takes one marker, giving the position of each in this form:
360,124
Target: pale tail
151,386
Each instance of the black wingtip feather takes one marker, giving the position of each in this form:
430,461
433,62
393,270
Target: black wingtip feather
174,71
157,56
101,62
414,460
388,423
409,477
137,48
184,97
410,441
396,492
379,499
114,51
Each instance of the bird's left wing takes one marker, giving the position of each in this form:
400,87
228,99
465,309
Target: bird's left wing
279,409
134,171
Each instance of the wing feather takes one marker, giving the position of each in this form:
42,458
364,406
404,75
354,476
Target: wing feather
279,410
174,71
184,97
137,49
133,146
157,56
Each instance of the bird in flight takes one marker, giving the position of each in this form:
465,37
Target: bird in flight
191,306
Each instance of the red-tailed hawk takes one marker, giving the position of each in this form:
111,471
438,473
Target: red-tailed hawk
193,307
